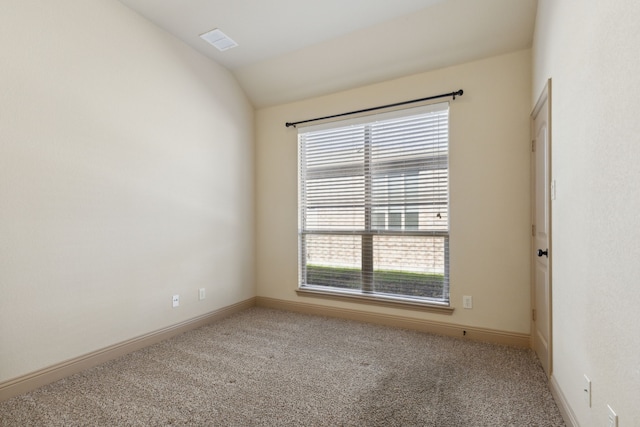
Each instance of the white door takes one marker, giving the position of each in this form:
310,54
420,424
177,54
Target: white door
541,230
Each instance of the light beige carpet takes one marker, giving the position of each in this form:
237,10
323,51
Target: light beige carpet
266,367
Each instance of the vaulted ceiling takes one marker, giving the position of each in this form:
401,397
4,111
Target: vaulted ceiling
294,49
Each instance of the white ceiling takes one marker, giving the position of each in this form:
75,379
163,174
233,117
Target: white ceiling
294,49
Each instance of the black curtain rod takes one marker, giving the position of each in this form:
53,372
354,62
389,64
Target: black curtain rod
444,95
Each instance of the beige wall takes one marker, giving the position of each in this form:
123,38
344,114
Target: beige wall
489,163
126,176
589,49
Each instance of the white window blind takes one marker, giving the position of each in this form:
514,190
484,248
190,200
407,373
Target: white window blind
374,205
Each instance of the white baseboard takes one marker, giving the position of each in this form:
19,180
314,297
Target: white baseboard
33,380
566,411
440,328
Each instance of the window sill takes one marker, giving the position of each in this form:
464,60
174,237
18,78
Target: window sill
376,300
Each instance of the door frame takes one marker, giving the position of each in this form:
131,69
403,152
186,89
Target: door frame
545,96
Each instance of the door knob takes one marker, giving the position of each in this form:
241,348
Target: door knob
545,252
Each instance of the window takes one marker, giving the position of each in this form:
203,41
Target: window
374,205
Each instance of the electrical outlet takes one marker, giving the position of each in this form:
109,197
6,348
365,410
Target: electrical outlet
587,391
467,301
201,294
176,301
612,417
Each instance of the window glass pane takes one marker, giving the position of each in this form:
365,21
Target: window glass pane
410,266
333,261
334,203
434,203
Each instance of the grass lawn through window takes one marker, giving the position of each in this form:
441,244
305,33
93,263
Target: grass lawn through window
403,283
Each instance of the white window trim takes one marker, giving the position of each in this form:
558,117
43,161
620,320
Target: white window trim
366,293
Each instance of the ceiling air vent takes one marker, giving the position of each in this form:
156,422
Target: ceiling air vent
219,39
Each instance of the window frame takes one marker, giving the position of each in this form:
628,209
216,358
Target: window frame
366,293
